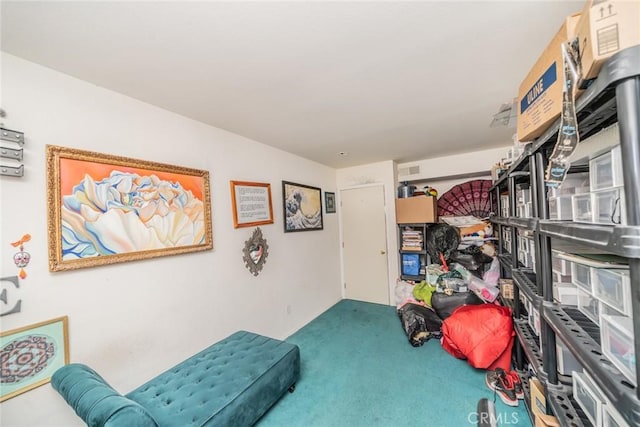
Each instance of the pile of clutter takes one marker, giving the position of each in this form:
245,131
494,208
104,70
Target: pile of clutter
457,301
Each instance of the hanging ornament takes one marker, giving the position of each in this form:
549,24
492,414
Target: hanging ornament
22,258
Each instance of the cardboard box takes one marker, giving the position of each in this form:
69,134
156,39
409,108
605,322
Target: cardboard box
416,210
538,401
546,421
540,93
506,288
605,28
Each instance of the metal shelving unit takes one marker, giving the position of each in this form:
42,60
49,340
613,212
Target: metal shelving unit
421,252
613,97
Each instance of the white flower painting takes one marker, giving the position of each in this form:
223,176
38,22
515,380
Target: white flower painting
126,213
105,209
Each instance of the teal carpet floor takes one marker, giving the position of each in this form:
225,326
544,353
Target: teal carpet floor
358,369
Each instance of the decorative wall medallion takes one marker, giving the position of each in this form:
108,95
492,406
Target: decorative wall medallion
22,258
255,252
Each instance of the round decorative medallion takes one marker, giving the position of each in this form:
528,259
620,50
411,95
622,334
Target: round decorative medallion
25,357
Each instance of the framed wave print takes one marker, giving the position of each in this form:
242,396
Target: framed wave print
302,207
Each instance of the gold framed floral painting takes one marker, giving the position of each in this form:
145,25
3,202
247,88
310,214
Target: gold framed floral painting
105,209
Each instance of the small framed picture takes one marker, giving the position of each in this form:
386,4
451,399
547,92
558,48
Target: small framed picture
302,206
31,354
329,202
251,202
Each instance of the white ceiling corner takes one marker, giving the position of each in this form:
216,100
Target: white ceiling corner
397,80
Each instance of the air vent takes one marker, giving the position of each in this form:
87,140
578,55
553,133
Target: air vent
409,171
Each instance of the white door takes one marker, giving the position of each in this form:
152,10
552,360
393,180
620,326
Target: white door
364,243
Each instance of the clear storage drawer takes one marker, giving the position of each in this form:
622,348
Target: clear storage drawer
589,306
605,171
561,278
616,336
581,204
589,397
613,287
611,417
565,293
559,265
581,276
566,360
609,206
560,208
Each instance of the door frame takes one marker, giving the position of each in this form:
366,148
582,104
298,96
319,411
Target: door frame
390,233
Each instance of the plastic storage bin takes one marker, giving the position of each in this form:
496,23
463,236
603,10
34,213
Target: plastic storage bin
581,276
506,238
581,205
611,417
560,208
565,293
616,336
609,206
504,206
589,397
605,171
561,278
534,319
566,360
559,265
613,287
607,309
526,259
574,183
589,306
523,196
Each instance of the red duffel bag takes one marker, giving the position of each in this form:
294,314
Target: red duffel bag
482,334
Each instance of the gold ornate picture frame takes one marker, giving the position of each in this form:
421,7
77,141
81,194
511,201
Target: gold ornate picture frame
105,209
31,354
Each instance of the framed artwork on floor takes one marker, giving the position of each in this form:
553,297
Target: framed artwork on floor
251,203
31,354
302,207
105,209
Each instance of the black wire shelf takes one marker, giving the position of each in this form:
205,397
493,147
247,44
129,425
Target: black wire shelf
565,408
525,282
622,240
529,341
579,335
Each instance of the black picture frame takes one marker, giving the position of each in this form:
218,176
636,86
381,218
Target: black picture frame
329,202
302,207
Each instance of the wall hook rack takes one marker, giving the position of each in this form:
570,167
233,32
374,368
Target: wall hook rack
15,152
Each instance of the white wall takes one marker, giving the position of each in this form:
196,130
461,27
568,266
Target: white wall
131,321
439,172
378,173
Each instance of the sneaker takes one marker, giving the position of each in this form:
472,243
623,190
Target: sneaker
502,384
517,384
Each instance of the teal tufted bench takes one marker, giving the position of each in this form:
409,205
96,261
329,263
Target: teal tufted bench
231,383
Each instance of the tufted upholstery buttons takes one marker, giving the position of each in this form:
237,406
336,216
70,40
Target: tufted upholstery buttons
231,383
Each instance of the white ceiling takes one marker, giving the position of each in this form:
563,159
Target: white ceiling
379,80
